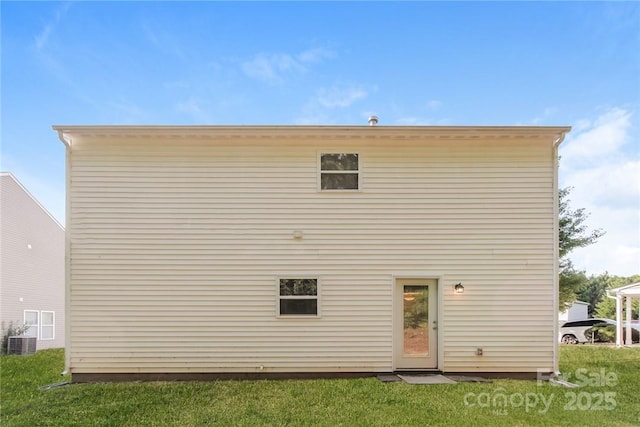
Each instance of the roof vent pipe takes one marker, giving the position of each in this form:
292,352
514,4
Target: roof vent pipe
373,120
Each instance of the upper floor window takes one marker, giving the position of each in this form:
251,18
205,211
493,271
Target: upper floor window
339,171
298,297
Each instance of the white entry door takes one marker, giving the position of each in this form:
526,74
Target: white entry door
416,324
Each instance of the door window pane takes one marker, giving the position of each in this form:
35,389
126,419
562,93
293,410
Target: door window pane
415,302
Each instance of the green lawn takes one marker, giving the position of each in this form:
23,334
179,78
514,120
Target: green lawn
365,402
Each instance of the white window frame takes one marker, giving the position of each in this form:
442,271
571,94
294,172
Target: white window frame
315,297
39,325
52,325
339,172
32,325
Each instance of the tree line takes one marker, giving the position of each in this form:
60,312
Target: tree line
574,283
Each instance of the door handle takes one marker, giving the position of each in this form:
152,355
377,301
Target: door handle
435,325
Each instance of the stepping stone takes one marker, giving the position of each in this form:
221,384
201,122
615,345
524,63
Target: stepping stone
426,379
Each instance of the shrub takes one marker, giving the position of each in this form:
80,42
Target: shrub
607,333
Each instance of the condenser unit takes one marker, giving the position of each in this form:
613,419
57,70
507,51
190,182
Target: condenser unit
21,345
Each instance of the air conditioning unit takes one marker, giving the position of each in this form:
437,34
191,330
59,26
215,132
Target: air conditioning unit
21,345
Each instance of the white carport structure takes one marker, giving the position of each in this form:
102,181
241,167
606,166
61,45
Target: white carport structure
624,294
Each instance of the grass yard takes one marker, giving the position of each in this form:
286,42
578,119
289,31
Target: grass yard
609,395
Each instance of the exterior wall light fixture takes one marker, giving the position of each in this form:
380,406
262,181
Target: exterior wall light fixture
458,288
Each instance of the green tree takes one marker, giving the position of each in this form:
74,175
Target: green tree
573,234
571,281
594,291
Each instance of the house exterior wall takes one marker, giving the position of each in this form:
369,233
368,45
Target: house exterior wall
177,237
578,310
32,267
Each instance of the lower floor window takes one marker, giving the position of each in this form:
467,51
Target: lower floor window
298,297
41,324
47,325
31,318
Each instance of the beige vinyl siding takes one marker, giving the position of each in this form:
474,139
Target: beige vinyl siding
176,242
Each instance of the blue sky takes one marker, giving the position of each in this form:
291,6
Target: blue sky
414,63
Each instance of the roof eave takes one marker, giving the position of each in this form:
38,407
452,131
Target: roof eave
556,133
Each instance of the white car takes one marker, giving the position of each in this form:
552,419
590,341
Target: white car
573,332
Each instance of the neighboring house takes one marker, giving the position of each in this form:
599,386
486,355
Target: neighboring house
216,251
624,296
32,268
578,310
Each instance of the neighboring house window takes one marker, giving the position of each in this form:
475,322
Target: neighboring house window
47,325
339,171
31,318
41,324
298,297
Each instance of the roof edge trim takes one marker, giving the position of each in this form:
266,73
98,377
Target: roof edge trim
65,131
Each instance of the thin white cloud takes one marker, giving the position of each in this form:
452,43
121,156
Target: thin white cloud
339,97
42,38
163,40
176,84
271,67
323,107
433,105
420,121
580,126
423,114
618,251
604,136
127,112
313,118
411,121
546,114
191,106
601,164
609,184
315,55
275,67
195,108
